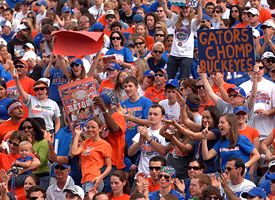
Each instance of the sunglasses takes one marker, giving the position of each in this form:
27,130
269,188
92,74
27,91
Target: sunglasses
19,66
116,38
216,11
160,35
200,86
27,127
33,198
233,95
60,168
139,43
241,113
194,168
159,11
151,168
160,75
250,15
156,51
229,169
261,67
158,27
234,11
270,60
110,17
211,198
167,177
39,88
13,143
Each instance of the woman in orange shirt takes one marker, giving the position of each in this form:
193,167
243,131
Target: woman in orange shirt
120,186
95,153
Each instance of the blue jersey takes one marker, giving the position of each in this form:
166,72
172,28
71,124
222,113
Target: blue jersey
64,138
156,196
125,51
242,150
4,103
27,158
140,109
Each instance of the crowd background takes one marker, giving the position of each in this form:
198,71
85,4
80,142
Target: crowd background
160,128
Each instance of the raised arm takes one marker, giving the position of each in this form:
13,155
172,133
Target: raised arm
166,10
265,144
75,150
207,155
209,89
22,93
63,67
255,157
252,97
48,68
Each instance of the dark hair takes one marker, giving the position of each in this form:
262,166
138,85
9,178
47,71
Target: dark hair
115,24
238,163
9,10
152,15
35,189
234,129
209,191
38,133
169,197
98,194
132,79
158,159
97,120
156,105
16,135
191,83
46,21
47,29
200,162
122,177
41,122
3,84
137,196
218,8
194,99
209,4
120,35
215,114
227,22
35,178
232,20
203,179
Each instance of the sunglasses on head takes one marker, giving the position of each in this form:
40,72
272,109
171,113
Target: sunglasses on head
151,168
13,143
194,168
19,66
167,177
116,38
139,43
39,88
156,51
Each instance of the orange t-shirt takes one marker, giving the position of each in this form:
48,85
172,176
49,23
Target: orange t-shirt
149,42
27,85
250,132
152,188
273,133
8,127
264,15
203,106
241,25
226,87
106,85
117,141
155,95
93,158
123,197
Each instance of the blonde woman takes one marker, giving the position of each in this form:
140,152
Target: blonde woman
183,44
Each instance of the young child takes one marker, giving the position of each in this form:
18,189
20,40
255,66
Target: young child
25,149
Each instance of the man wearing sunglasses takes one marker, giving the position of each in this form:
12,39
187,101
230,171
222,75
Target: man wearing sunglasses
166,176
268,59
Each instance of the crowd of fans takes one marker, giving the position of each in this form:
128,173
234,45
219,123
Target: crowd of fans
161,128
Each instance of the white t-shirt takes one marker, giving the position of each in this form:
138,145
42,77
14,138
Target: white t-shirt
171,112
46,109
183,42
265,99
19,16
146,150
226,14
96,12
39,17
245,186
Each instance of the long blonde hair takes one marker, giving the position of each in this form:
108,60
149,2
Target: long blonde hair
181,18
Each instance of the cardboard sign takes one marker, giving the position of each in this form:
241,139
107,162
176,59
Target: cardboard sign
226,50
77,98
77,43
189,3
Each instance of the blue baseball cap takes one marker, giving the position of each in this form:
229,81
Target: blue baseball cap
66,9
240,109
237,90
96,26
41,3
172,82
106,98
55,164
255,192
138,18
114,66
149,73
77,61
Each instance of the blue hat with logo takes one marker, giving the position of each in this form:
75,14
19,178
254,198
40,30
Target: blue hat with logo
96,26
149,73
255,192
77,61
114,66
240,109
237,90
172,82
41,3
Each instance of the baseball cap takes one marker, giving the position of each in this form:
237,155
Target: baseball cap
41,3
253,11
21,27
237,90
6,23
29,55
138,18
66,9
109,12
240,109
77,61
271,164
255,192
64,166
169,170
149,73
172,82
160,69
106,98
97,26
76,190
29,45
255,33
114,66
268,23
20,61
46,80
267,54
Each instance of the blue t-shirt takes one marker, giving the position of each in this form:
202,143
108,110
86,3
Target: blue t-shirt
242,150
7,37
27,158
3,108
57,78
155,5
140,109
5,75
125,51
156,195
64,137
